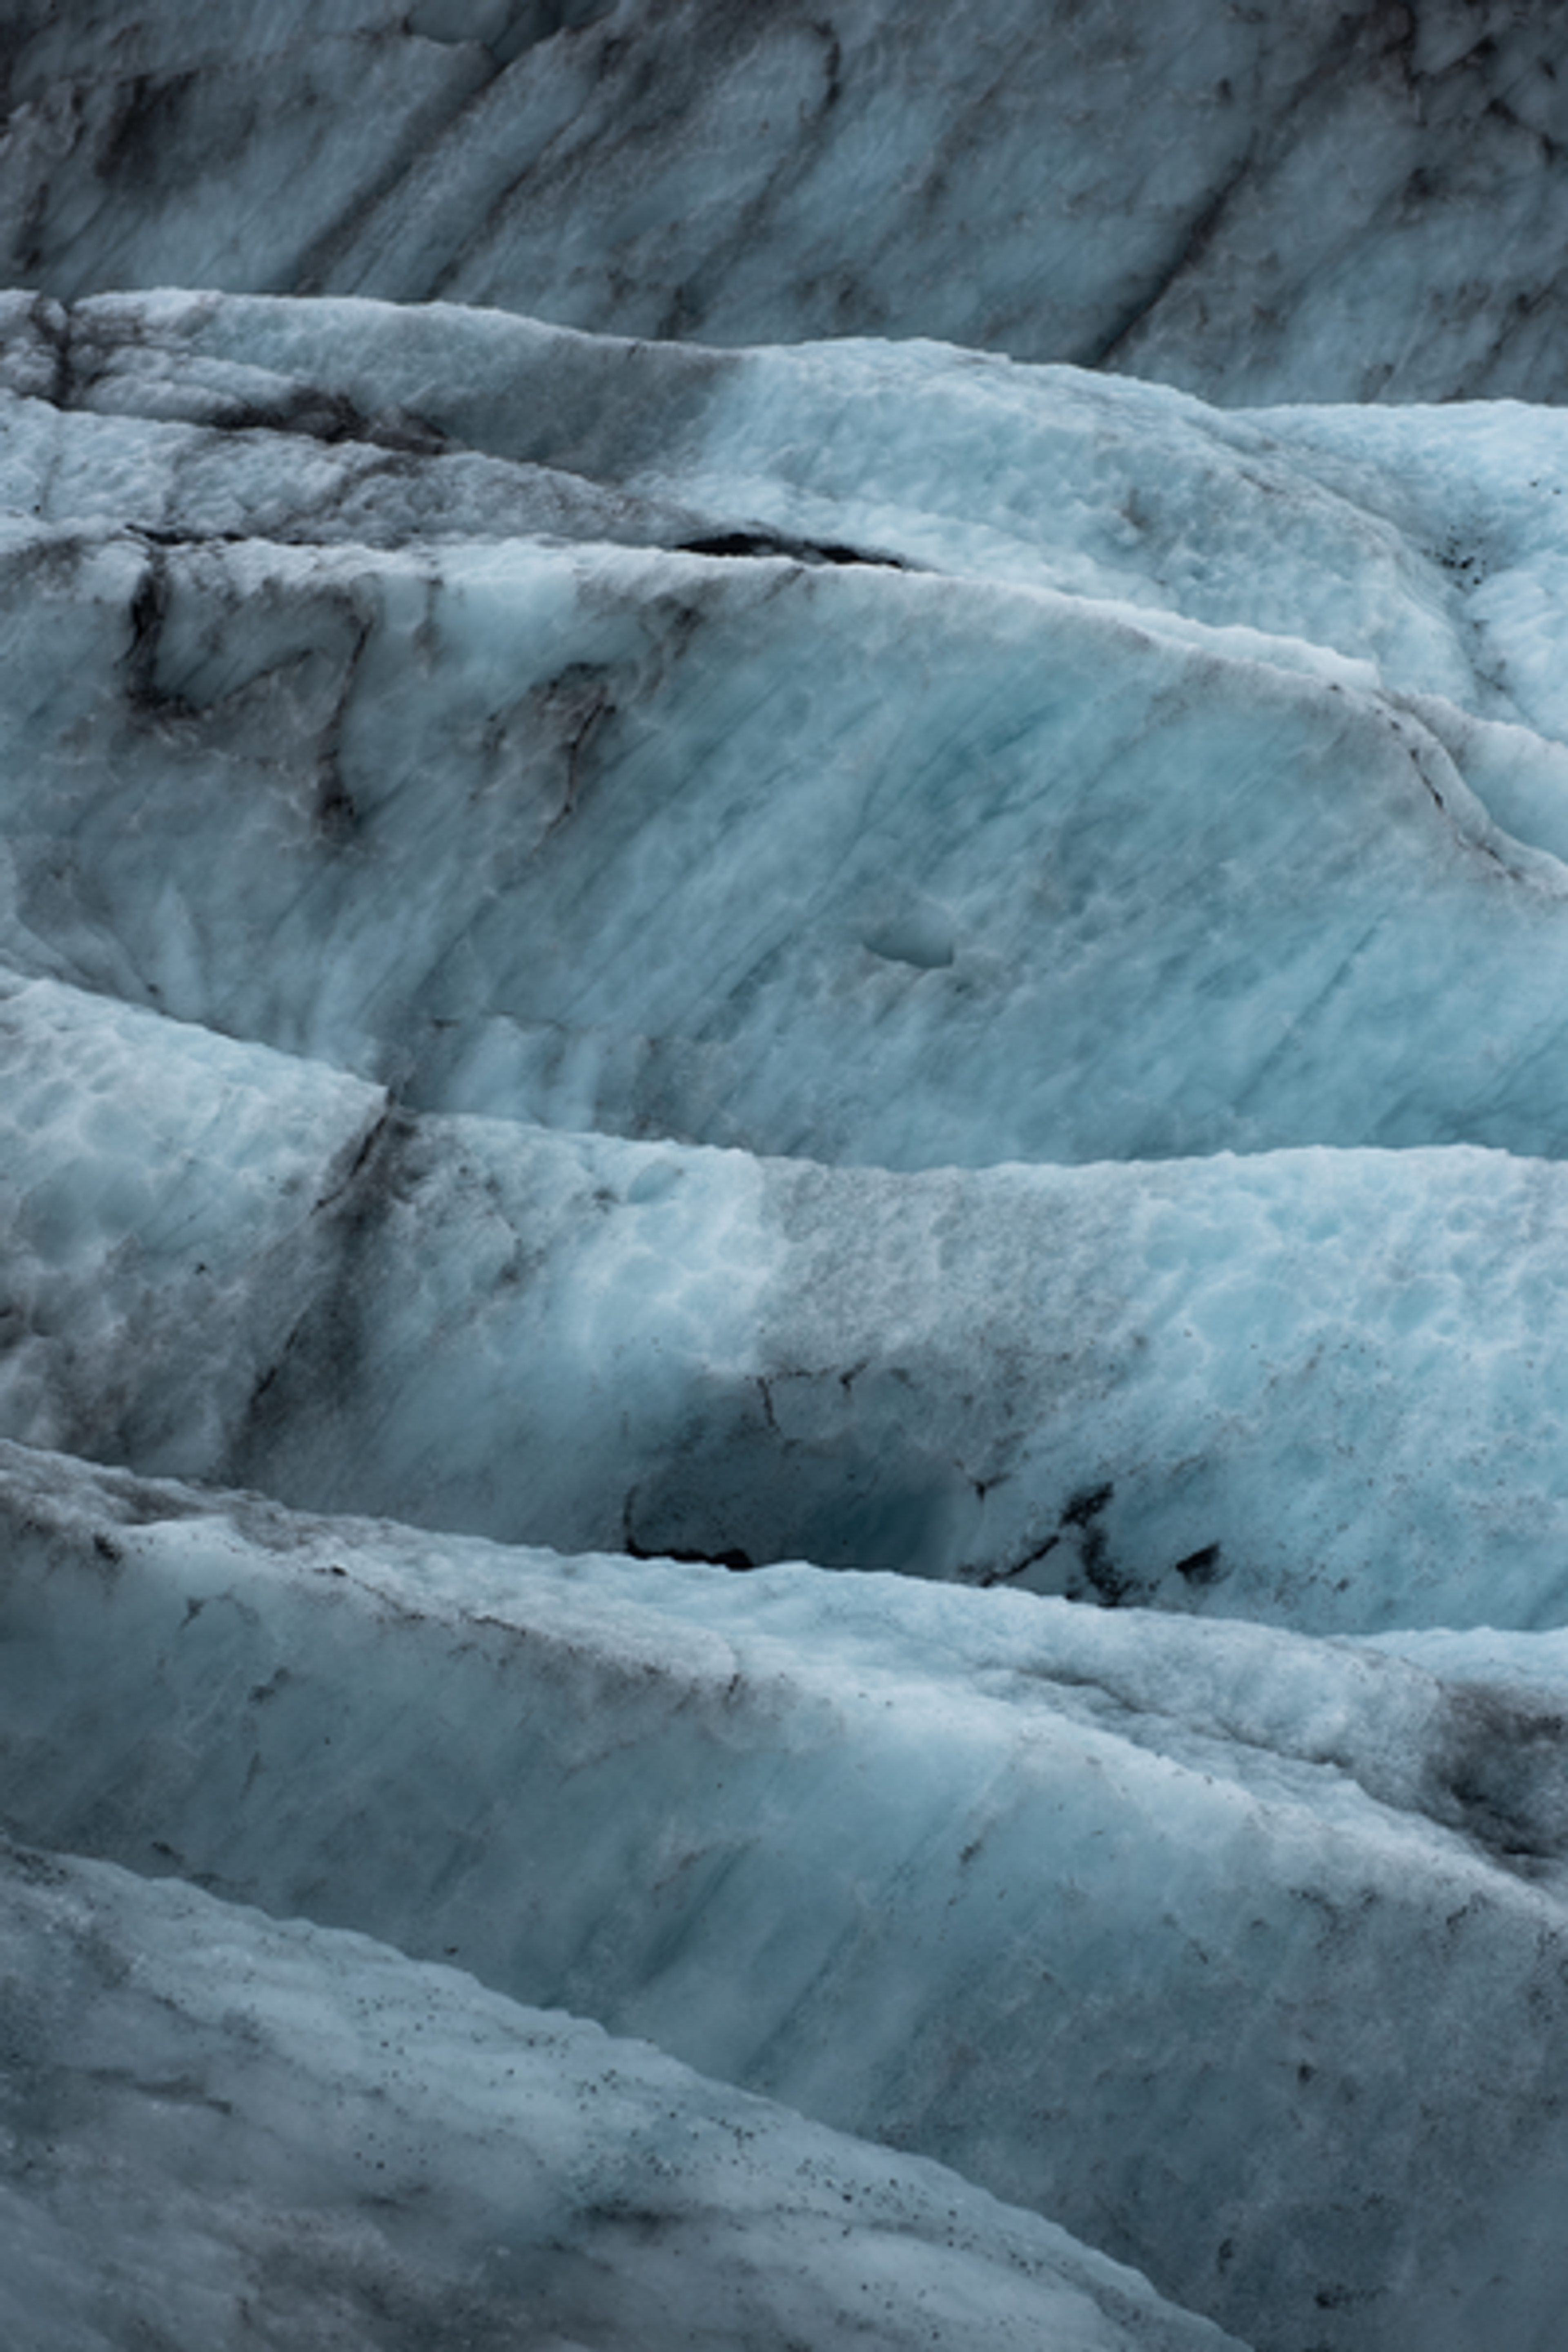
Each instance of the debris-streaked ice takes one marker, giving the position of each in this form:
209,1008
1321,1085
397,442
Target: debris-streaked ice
883,860
263,2133
1323,1390
784,1178
1094,1907
1308,204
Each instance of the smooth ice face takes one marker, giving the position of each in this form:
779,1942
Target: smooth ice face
1270,204
1103,1911
1050,855
306,2141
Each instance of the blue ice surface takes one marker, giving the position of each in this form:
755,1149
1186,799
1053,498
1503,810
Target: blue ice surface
636,962
881,1850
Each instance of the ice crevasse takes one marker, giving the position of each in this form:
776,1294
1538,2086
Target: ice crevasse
783,1244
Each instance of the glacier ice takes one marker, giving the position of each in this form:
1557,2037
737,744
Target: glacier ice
1321,1390
267,2134
625,1794
1314,204
472,785
783,1234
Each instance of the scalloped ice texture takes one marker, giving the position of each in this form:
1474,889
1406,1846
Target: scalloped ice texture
857,955
1323,1390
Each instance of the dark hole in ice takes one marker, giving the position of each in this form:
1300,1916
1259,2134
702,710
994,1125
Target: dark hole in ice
768,543
735,1497
731,1557
1200,1568
1087,1505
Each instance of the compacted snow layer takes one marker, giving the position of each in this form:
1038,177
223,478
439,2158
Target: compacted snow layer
219,2130
459,771
1323,202
1243,1954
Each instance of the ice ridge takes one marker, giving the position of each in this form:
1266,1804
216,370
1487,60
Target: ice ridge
783,1234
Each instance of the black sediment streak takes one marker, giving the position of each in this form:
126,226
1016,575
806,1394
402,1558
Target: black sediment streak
149,617
755,543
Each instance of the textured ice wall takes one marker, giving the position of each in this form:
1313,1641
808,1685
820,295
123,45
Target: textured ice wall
1323,1390
266,2134
1325,202
1092,850
1096,864
1104,1912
